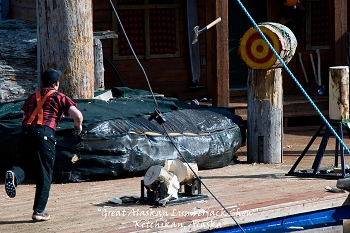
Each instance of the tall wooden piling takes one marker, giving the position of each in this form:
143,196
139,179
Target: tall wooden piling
265,116
339,93
65,42
99,71
265,92
99,83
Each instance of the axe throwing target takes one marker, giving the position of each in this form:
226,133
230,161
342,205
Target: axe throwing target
256,53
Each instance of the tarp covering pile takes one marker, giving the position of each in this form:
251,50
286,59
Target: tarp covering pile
119,140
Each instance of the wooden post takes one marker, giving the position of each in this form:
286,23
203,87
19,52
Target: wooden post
99,69
264,113
265,116
217,55
65,42
339,93
338,32
99,83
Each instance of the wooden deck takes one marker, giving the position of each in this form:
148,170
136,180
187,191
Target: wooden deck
250,192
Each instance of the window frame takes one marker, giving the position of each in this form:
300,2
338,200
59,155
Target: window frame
309,28
146,7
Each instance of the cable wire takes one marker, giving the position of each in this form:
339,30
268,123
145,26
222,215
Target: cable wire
293,77
155,102
200,180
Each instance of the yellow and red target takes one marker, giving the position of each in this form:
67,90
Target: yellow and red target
255,51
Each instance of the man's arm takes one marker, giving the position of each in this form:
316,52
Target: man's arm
77,116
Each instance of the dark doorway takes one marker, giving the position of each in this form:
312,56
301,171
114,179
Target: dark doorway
238,24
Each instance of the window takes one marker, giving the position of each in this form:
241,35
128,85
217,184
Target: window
152,27
317,25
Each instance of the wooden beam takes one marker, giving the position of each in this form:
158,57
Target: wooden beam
219,76
338,32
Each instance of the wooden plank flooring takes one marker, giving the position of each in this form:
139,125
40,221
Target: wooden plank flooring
250,192
84,207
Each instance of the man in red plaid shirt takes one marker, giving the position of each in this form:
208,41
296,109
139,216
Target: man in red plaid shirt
36,147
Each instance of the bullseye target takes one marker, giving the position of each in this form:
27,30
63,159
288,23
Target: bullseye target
255,51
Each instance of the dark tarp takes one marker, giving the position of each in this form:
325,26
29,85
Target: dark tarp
119,140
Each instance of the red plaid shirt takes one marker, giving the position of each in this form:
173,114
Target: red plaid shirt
54,107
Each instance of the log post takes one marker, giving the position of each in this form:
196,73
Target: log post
65,42
265,93
265,116
99,69
217,55
339,93
338,28
99,83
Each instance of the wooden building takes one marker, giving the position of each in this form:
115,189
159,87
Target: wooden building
160,32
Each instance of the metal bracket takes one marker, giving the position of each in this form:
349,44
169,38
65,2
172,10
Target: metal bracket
315,170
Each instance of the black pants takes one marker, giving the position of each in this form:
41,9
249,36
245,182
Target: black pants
36,155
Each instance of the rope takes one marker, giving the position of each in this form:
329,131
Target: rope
293,77
200,180
155,102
